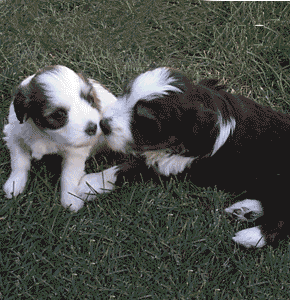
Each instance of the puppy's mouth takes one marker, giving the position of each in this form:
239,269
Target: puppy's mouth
82,140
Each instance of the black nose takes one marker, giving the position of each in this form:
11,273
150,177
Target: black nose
104,125
91,129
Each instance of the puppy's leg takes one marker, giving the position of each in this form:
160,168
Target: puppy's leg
73,170
20,165
102,182
245,210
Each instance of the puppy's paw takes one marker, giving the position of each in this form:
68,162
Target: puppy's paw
251,237
245,210
71,201
15,184
92,184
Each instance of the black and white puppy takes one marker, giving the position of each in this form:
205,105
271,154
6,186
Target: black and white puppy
173,126
55,111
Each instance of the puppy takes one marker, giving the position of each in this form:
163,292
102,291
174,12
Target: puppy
55,111
175,127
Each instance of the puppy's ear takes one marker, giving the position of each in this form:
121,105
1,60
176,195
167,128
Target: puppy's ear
143,109
21,104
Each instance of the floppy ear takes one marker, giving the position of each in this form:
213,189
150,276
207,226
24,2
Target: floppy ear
21,105
143,109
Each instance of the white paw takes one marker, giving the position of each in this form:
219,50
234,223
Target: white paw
15,184
241,208
92,184
73,202
251,237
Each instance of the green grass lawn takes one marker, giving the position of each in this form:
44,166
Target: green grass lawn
142,241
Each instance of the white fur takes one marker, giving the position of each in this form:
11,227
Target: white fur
151,84
92,184
251,237
119,116
146,86
167,164
240,208
26,141
225,129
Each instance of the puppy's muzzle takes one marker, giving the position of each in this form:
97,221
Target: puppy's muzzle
91,129
105,127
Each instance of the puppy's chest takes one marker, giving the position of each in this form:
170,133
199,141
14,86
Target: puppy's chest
41,147
167,163
38,142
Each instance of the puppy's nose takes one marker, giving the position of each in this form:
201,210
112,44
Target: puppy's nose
104,125
91,129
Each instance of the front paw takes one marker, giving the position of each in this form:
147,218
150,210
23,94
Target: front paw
92,184
245,210
15,184
251,237
71,201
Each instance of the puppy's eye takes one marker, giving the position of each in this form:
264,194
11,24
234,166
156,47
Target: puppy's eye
57,119
59,114
90,98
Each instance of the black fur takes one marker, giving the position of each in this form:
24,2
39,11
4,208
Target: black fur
253,163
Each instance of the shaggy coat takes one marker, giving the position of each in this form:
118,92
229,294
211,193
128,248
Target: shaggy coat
201,132
55,111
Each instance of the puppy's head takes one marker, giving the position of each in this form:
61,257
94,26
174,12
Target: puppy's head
163,109
136,121
60,103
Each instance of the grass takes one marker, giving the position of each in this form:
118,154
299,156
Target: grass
143,241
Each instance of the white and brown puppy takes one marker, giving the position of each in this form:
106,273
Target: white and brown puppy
214,138
55,111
